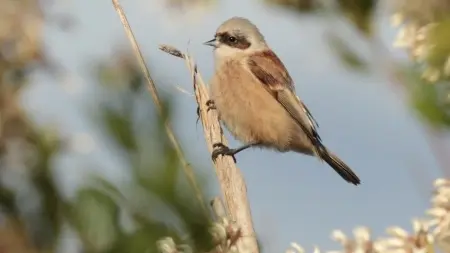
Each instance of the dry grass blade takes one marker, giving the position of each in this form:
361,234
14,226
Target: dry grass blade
154,93
173,51
230,178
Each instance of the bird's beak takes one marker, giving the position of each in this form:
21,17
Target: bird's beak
211,43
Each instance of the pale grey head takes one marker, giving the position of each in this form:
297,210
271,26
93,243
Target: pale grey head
236,35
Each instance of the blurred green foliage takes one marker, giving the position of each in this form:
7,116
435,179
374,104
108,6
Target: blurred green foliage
346,54
430,101
360,13
302,6
95,212
438,44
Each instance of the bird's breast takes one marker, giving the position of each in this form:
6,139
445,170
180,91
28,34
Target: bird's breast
247,109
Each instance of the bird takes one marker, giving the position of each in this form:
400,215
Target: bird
255,98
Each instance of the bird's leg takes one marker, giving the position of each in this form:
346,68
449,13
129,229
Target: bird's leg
221,149
210,104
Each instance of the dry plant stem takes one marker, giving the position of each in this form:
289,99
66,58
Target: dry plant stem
230,178
154,93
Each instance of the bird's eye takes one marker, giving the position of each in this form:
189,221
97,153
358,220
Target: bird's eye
232,39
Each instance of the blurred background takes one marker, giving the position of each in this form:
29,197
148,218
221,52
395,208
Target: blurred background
87,167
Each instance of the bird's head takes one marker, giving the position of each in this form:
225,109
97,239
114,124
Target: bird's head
236,36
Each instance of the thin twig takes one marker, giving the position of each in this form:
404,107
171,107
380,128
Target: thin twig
154,93
230,177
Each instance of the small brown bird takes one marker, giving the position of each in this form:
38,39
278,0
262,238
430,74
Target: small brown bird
255,98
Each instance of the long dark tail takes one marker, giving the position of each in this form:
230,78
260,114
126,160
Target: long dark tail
338,165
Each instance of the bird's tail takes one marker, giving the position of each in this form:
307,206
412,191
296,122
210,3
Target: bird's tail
338,165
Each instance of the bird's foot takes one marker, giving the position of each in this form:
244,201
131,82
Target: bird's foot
221,149
211,106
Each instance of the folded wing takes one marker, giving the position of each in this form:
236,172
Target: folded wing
268,68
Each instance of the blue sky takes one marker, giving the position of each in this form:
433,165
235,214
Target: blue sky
293,197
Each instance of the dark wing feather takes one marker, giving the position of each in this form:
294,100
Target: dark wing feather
297,112
311,118
268,68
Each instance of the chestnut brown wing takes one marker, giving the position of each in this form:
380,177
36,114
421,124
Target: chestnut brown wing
270,71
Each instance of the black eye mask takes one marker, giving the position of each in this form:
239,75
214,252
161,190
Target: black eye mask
235,41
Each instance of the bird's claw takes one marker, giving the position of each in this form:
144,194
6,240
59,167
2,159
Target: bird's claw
221,149
198,114
211,106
